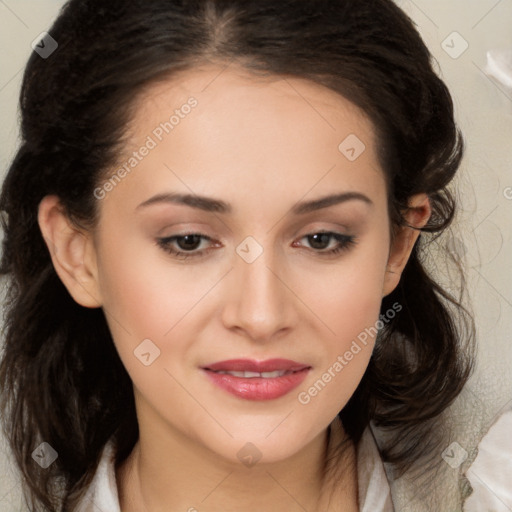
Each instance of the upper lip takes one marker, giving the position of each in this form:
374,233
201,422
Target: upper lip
250,365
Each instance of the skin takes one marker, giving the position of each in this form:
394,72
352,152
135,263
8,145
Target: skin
261,145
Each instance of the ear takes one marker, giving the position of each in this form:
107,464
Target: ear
72,252
417,216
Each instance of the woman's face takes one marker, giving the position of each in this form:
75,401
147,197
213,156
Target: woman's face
257,283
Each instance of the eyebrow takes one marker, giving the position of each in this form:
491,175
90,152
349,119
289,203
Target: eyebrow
210,204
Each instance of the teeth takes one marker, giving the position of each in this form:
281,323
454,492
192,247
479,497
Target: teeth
264,375
249,375
277,373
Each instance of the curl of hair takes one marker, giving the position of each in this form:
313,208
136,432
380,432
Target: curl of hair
60,375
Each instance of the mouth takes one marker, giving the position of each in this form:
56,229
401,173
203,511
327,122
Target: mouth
251,366
253,380
255,375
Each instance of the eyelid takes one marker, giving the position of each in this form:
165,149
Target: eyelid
183,228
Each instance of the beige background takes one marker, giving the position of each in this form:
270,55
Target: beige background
484,111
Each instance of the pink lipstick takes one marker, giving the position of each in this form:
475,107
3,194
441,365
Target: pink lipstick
257,380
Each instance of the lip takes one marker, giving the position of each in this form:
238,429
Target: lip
250,365
257,388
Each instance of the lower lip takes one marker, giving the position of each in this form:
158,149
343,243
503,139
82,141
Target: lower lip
257,388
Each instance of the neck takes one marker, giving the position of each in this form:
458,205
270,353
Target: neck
174,472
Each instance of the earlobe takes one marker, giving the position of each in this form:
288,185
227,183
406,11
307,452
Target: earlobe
416,217
72,252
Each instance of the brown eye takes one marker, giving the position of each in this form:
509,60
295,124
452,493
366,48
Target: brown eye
184,246
188,242
319,242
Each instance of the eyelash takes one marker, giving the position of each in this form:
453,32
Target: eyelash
345,242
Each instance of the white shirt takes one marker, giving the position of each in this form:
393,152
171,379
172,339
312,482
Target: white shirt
491,472
490,476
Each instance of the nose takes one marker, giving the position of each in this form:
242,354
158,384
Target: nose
259,302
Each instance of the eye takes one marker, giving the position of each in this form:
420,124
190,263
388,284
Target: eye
187,245
321,241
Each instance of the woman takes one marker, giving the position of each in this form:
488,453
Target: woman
214,240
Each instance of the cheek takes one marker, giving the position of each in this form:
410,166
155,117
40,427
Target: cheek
347,295
346,353
146,307
348,302
144,293
146,297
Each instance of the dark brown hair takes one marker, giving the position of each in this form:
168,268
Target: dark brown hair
61,378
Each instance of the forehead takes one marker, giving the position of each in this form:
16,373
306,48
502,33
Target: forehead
230,88
260,133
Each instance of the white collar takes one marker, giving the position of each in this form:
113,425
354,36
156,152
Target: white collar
374,489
